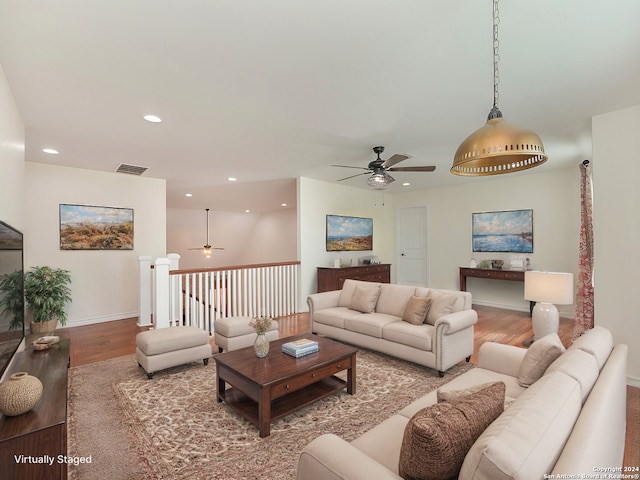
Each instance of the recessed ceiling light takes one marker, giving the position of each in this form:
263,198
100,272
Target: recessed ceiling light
232,179
50,151
247,211
150,117
284,204
406,184
188,195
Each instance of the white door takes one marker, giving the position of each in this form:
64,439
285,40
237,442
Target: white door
411,239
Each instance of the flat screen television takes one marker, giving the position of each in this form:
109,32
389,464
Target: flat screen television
12,328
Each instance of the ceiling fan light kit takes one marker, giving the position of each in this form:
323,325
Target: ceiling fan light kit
498,147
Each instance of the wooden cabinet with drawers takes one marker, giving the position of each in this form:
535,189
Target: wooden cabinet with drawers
333,278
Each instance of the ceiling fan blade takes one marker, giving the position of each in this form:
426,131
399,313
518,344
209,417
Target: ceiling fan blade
352,176
413,169
393,159
350,166
196,248
389,178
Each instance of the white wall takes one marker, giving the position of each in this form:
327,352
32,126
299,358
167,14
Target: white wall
554,198
247,238
616,170
317,199
104,282
11,158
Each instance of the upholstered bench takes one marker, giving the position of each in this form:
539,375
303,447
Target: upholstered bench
232,333
170,347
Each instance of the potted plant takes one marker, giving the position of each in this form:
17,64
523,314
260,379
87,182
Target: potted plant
47,293
11,299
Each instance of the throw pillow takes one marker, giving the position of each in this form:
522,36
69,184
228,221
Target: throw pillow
364,299
539,356
441,305
416,310
437,438
446,395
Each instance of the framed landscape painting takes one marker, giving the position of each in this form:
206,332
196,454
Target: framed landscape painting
506,231
86,227
349,233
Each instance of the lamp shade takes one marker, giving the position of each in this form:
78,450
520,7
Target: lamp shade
548,287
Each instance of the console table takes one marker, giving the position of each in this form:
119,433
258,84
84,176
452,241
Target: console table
332,278
491,273
42,430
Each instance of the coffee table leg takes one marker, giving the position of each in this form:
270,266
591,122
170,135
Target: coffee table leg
264,412
351,377
221,387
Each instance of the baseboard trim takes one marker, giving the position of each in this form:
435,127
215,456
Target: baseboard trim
633,381
105,318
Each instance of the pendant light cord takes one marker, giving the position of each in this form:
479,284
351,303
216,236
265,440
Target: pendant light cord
496,54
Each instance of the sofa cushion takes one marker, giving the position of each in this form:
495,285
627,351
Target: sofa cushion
417,336
539,356
370,324
415,312
364,299
445,394
348,287
441,304
334,316
463,299
437,439
598,342
526,440
580,366
394,298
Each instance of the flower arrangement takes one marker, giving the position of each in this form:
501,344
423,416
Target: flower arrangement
261,324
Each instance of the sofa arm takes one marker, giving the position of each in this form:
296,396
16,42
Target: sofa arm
318,301
501,358
454,322
329,457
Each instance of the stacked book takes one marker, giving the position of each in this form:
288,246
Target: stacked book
299,348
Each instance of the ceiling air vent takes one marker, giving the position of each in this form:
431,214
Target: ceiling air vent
131,169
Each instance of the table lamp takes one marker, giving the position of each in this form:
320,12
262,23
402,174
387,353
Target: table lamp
547,289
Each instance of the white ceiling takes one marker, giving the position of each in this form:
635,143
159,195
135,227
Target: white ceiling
266,91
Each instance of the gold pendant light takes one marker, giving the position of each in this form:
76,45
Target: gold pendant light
498,147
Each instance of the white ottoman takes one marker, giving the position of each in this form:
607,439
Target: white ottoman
170,347
232,333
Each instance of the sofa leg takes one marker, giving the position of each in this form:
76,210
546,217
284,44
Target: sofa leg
150,376
440,373
220,350
468,358
206,361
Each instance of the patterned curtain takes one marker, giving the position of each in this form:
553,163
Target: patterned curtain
584,296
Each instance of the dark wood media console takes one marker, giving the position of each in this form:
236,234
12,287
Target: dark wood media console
332,278
43,430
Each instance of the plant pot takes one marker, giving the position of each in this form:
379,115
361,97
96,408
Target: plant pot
44,328
19,394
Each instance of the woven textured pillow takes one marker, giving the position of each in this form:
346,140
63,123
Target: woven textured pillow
441,304
416,310
437,438
539,356
364,299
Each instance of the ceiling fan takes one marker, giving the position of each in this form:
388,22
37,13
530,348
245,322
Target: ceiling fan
206,249
378,169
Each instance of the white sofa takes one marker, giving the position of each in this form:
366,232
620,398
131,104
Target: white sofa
568,424
439,345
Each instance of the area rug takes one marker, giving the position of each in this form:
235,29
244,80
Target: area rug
172,427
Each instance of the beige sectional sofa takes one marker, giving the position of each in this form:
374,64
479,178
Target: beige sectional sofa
570,423
376,322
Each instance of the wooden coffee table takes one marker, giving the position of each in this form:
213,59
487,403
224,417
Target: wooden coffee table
265,389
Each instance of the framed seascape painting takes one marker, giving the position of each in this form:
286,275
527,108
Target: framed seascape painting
85,227
507,231
349,233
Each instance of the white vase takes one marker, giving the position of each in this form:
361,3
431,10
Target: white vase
261,345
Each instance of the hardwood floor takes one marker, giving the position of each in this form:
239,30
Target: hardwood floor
94,343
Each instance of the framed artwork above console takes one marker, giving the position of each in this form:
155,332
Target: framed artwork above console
504,231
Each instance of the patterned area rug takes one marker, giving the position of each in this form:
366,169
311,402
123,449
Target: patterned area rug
176,428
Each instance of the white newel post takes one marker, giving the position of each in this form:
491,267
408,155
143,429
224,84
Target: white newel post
162,309
144,290
176,290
